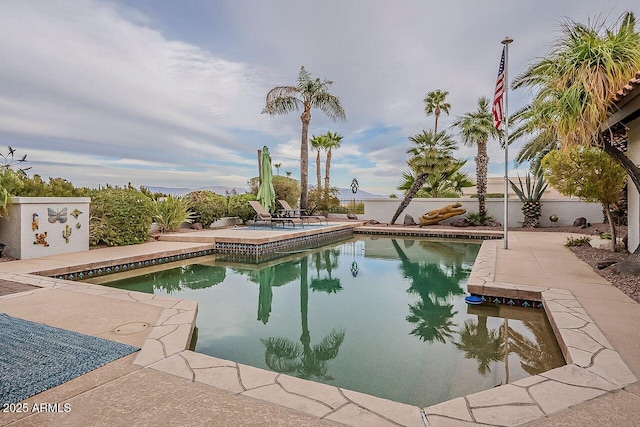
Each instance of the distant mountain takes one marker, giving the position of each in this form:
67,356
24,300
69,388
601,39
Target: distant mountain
181,191
345,193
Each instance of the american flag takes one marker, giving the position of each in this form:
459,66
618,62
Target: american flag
496,109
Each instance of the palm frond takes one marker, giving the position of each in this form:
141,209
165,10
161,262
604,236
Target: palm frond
329,346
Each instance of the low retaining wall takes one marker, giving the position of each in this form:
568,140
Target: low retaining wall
567,210
41,226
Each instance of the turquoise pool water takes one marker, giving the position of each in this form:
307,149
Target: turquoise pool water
381,316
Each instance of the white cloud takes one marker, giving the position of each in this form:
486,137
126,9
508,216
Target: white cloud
105,91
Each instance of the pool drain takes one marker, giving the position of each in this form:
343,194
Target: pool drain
131,328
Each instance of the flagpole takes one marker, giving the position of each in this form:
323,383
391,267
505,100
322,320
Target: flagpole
506,42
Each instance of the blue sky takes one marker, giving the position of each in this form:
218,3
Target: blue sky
166,93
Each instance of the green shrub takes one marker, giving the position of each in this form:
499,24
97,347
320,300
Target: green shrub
285,188
490,196
239,206
119,216
356,207
9,185
169,212
207,206
324,201
578,241
56,187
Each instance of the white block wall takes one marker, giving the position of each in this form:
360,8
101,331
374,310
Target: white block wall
18,234
567,210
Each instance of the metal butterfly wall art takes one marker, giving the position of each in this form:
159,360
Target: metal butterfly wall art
60,215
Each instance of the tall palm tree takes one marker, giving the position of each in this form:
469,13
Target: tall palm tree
318,143
431,152
447,183
434,104
308,93
476,128
277,166
332,141
576,83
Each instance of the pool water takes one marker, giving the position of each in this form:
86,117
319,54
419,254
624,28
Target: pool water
381,316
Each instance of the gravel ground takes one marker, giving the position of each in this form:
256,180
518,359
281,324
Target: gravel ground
627,283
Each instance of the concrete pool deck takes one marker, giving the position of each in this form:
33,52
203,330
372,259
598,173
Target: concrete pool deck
168,384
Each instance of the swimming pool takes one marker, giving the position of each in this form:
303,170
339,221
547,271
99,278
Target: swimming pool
382,316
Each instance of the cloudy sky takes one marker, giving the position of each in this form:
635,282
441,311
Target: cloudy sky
166,93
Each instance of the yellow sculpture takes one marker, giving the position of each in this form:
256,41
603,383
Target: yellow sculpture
437,215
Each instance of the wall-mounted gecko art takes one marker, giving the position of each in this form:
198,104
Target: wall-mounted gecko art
40,239
66,233
60,215
76,213
35,222
78,225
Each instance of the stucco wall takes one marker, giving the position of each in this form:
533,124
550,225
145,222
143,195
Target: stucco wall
567,210
19,232
633,152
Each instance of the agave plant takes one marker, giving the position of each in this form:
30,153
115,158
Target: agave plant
170,212
530,196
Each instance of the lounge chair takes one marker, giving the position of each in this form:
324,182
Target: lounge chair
289,212
263,215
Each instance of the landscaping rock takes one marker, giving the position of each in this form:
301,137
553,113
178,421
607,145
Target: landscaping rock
351,216
408,220
630,266
581,222
606,263
196,226
464,222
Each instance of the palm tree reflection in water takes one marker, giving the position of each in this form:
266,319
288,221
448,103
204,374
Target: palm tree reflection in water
303,360
489,346
480,343
435,284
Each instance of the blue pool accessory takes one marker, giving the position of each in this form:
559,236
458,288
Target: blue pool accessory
473,299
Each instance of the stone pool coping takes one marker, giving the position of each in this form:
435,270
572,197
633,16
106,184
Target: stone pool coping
594,367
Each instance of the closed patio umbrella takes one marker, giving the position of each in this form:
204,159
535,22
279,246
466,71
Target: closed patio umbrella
266,193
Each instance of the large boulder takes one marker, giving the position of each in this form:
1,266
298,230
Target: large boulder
464,222
630,266
409,221
581,222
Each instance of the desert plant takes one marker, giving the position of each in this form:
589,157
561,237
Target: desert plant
578,241
207,206
530,196
119,216
475,219
9,184
239,206
169,212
